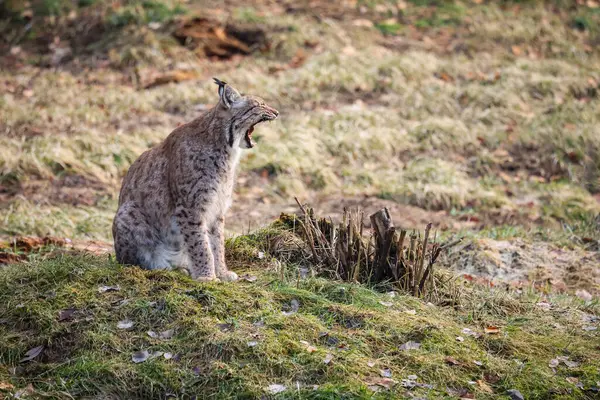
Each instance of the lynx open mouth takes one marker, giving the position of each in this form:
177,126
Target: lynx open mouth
248,137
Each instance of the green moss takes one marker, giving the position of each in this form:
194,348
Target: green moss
88,355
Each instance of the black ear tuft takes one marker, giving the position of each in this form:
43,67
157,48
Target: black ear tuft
227,94
221,85
219,82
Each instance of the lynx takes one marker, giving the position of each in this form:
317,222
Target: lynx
174,197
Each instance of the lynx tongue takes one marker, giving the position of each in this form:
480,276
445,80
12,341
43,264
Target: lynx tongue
248,137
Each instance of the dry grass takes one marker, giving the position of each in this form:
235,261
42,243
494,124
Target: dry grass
468,125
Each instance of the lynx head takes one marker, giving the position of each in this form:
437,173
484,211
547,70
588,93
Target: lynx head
241,114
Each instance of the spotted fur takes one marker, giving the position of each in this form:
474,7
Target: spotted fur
174,197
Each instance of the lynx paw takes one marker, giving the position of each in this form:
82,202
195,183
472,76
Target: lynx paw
206,278
228,276
184,271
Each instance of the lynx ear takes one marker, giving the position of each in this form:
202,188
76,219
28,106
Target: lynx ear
227,94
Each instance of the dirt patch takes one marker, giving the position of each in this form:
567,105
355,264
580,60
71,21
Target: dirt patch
532,159
71,190
255,211
519,262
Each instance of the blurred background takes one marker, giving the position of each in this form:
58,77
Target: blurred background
480,116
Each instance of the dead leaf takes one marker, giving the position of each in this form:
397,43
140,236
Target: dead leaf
553,363
470,332
328,358
408,383
24,392
491,377
516,50
309,348
544,305
66,314
125,324
140,356
276,388
386,303
104,289
259,324
152,334
365,23
386,383
225,327
460,339
169,77
299,59
166,335
411,312
155,354
478,363
249,278
168,356
484,386
410,345
514,394
293,308
371,364
492,330
32,353
252,343
571,364
6,386
386,373
572,379
584,295
451,361
445,77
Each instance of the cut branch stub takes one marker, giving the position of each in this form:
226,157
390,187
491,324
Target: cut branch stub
382,222
388,254
384,229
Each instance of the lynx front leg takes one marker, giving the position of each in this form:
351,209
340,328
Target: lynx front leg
217,244
197,242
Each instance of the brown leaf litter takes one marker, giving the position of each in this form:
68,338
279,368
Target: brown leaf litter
212,38
17,249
